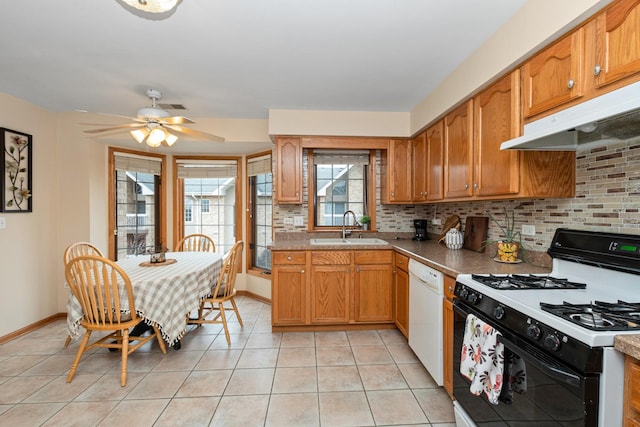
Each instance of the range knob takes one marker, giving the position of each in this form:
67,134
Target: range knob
472,298
552,342
463,293
534,331
498,312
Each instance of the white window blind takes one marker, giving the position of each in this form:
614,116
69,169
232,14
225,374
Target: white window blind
136,163
259,165
207,168
337,157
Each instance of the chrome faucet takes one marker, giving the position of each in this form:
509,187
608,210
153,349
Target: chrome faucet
346,232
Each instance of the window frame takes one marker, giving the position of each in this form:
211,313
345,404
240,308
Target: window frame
249,220
178,196
371,192
111,204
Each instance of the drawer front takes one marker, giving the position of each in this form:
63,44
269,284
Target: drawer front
402,262
374,257
289,258
330,257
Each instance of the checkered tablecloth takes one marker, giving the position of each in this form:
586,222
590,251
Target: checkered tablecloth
164,295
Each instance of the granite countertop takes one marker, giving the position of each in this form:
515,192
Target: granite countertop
628,344
450,262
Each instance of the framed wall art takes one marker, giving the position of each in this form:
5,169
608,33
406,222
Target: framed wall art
15,163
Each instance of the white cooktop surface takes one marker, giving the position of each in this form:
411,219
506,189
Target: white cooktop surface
602,285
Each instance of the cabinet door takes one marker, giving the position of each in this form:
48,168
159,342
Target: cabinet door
289,295
330,297
373,289
399,170
420,170
435,161
288,170
458,145
617,42
554,76
631,391
402,301
496,120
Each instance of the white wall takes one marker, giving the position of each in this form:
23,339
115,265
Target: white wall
27,245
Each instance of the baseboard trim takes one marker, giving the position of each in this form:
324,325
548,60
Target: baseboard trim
32,327
253,296
328,328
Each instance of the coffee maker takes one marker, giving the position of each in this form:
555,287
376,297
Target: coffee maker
421,229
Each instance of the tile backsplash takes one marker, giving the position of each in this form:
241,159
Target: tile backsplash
607,199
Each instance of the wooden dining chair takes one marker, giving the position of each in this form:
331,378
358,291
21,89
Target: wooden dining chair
196,243
224,292
105,294
75,250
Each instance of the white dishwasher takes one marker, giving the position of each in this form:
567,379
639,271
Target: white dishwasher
426,292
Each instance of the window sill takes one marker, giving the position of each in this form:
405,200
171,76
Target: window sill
259,273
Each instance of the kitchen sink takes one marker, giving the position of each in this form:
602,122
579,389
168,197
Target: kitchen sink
338,241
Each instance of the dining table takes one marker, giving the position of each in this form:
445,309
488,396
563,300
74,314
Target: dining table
164,293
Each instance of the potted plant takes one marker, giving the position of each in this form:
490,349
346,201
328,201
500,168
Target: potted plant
510,245
365,221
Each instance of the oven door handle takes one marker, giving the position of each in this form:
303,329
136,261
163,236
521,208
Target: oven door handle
553,371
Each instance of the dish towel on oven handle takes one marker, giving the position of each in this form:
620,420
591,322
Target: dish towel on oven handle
482,358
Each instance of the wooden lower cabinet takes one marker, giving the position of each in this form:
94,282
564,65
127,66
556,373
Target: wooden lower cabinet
447,325
373,286
332,288
401,293
289,288
631,392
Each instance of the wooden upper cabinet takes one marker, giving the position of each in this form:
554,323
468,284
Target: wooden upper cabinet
497,119
554,76
458,151
420,168
617,42
396,172
288,170
434,137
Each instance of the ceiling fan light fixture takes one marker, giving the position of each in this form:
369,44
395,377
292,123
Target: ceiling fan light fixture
153,6
156,136
170,139
140,134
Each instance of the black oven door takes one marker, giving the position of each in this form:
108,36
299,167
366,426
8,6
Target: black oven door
555,394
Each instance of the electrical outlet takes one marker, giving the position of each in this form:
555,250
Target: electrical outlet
298,221
288,221
436,221
3,223
528,230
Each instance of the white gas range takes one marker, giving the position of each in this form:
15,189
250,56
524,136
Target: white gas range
564,330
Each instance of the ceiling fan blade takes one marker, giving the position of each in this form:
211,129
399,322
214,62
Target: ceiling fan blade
195,133
124,128
176,120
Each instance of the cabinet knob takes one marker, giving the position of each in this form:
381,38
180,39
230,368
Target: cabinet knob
393,194
475,185
571,83
596,70
450,289
289,258
302,271
297,193
466,186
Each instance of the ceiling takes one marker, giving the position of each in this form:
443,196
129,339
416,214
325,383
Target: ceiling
239,58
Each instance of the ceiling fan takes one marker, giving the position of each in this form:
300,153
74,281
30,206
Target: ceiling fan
157,127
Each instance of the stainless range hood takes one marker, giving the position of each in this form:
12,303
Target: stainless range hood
614,116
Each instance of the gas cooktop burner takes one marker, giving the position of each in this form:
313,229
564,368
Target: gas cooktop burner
603,316
525,281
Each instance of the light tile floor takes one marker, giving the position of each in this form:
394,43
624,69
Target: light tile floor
356,378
